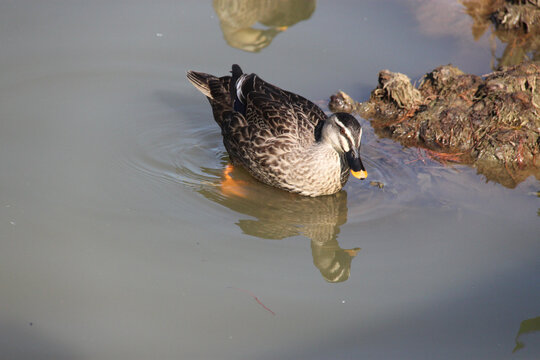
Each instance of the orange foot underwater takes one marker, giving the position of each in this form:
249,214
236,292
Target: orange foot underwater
231,187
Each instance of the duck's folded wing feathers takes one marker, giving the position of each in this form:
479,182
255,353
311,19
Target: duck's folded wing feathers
281,117
301,104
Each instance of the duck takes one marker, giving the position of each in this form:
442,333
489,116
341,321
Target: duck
281,138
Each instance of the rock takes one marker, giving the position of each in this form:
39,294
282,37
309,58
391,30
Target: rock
491,122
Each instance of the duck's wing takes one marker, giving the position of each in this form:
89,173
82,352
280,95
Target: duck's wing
270,107
262,104
259,149
259,121
268,126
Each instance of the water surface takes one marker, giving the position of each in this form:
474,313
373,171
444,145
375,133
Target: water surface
117,241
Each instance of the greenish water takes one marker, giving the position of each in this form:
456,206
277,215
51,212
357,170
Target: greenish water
116,240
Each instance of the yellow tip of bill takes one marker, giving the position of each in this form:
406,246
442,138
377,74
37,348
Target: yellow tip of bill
362,174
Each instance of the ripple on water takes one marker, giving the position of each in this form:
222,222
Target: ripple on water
168,154
389,186
195,158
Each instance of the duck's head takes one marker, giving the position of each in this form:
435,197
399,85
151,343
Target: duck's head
343,132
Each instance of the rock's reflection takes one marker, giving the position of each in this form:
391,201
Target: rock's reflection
276,214
238,20
526,327
514,23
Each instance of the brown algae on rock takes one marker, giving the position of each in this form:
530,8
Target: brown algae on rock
492,122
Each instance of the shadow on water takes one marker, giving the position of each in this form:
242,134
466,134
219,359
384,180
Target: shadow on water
239,19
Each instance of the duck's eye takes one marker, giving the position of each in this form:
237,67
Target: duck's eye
342,131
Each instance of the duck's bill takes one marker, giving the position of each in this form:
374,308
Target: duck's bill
362,174
357,168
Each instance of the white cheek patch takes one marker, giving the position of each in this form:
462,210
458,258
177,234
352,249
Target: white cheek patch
336,139
344,144
346,137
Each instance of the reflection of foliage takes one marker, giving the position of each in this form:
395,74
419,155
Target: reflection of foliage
516,23
527,326
239,17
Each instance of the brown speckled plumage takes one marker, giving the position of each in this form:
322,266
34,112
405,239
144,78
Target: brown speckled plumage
281,138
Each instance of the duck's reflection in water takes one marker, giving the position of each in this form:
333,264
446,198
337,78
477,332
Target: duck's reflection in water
333,262
276,214
238,19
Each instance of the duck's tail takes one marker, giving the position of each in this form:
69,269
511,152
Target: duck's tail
225,90
217,90
201,81
214,88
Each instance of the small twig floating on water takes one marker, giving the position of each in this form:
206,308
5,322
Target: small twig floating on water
254,297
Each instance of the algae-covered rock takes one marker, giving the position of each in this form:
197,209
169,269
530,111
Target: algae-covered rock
492,122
